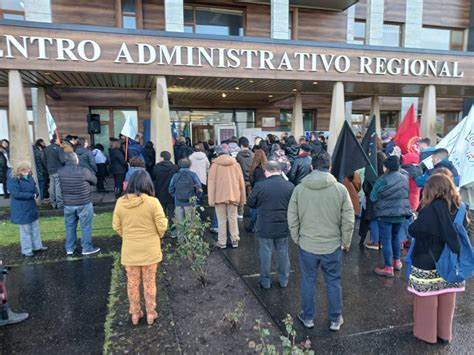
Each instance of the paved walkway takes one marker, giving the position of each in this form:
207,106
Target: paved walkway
377,310
67,303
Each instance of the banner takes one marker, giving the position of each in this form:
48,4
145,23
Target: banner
51,123
129,130
408,132
460,145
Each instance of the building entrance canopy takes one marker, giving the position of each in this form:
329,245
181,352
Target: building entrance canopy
46,47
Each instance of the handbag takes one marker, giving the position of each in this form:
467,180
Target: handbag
457,267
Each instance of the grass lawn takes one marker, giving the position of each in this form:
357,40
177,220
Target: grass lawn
52,228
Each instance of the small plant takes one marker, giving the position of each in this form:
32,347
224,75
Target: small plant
288,342
191,246
234,317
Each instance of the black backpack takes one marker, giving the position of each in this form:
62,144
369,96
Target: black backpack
184,186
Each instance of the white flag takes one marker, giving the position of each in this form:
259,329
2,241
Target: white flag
460,145
50,122
129,130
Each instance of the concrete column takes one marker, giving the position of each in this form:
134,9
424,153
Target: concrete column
174,15
413,24
280,19
406,103
297,128
337,115
20,142
38,10
374,23
350,24
160,118
38,98
375,110
428,114
349,112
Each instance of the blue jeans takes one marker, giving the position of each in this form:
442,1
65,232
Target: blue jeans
331,265
214,223
374,231
403,234
253,214
265,250
390,236
83,214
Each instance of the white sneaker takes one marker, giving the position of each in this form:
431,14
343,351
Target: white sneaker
93,251
240,216
336,325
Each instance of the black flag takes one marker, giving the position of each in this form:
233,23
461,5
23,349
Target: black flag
348,155
369,145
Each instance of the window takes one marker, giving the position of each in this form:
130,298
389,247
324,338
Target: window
446,121
111,123
4,133
12,10
359,32
389,120
392,35
218,21
129,18
442,38
309,120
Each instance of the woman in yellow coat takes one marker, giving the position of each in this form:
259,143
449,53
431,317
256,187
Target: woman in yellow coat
140,221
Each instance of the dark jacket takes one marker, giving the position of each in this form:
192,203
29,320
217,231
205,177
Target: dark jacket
54,156
76,182
257,176
181,150
421,180
162,174
316,147
40,163
3,166
86,159
391,195
432,230
292,152
245,158
118,165
271,198
23,208
150,160
300,169
135,149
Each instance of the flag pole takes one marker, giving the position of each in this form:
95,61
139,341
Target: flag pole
126,148
58,141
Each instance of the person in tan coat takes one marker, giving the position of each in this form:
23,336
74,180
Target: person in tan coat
353,184
140,221
226,191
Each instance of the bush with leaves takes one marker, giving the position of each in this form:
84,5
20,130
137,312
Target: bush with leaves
288,342
234,318
192,246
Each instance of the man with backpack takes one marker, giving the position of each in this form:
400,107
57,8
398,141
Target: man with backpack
184,186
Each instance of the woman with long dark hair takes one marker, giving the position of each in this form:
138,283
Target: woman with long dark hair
435,297
140,221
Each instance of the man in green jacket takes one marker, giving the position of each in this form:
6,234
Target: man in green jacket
321,222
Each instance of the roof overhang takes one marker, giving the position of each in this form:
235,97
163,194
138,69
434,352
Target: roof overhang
331,5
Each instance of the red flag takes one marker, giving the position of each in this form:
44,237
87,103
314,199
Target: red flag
408,132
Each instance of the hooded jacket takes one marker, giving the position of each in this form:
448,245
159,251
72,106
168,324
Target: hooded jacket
226,182
86,159
162,174
245,158
320,214
23,209
421,180
200,165
140,221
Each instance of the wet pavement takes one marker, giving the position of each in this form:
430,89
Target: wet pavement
67,303
377,310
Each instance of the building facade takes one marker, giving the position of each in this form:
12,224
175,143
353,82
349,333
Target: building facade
216,68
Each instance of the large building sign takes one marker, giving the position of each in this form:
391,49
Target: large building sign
105,52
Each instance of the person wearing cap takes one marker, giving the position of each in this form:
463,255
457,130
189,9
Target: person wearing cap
302,165
226,191
392,206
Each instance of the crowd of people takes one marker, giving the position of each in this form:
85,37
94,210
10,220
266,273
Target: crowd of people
290,192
